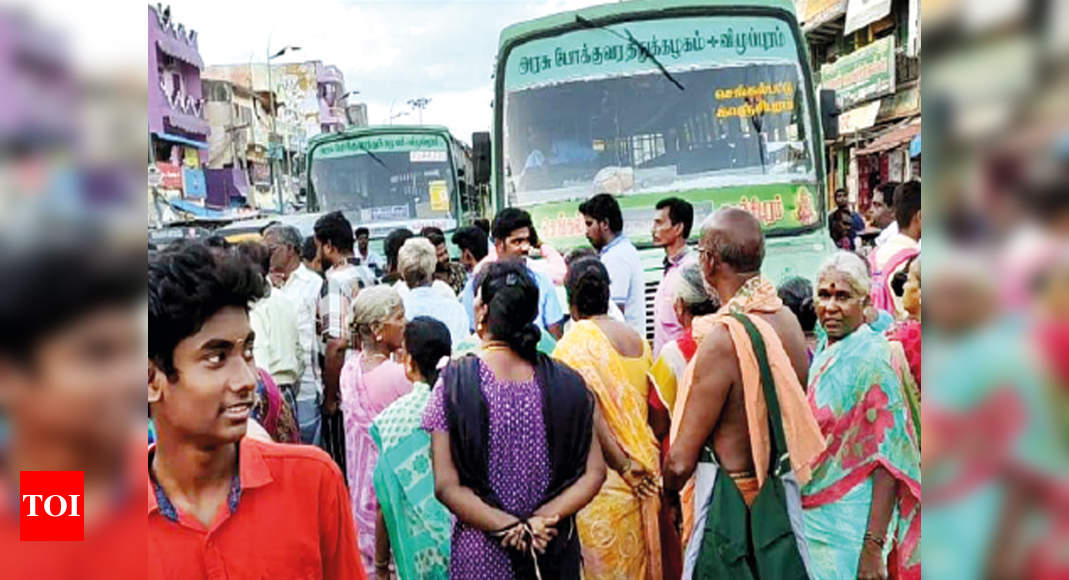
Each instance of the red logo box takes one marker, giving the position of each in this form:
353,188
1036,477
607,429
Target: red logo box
51,506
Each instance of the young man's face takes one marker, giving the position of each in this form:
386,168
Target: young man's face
880,213
597,232
665,233
516,245
325,254
83,383
841,199
209,399
443,253
361,243
468,260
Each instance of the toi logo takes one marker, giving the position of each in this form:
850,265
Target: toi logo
51,506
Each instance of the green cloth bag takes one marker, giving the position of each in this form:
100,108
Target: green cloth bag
754,542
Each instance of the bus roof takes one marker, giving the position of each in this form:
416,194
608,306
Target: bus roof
606,10
378,130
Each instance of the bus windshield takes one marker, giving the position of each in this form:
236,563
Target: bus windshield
590,111
389,177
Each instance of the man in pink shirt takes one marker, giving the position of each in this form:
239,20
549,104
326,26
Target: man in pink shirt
671,228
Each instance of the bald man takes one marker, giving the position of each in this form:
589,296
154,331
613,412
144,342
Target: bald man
712,433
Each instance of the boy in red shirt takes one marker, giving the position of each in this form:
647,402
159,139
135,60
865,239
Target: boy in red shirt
222,505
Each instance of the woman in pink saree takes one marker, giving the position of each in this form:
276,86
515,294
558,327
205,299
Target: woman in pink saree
370,381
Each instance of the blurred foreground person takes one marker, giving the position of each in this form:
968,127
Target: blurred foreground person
741,424
72,392
218,499
512,441
864,496
619,529
411,522
370,381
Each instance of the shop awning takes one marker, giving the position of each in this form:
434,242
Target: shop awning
175,48
187,123
891,139
180,139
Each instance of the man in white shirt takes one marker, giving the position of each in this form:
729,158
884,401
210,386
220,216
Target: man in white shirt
416,262
374,262
894,255
882,212
303,287
604,229
273,319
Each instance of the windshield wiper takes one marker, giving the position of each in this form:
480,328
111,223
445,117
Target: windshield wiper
375,157
633,42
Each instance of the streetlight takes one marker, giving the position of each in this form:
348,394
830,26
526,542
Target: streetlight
274,115
419,104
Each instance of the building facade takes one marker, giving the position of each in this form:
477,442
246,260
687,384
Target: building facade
868,52
332,98
299,100
178,130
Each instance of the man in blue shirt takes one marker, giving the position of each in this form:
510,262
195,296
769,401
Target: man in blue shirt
604,229
512,239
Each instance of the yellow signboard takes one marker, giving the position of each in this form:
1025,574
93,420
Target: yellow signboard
439,195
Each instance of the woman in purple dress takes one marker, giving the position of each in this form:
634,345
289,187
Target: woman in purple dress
513,473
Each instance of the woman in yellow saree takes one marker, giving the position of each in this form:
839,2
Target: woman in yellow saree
618,530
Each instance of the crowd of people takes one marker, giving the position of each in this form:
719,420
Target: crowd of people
319,410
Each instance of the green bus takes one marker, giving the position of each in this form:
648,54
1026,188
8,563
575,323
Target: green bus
384,178
711,101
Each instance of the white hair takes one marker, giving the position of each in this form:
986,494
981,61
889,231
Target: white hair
416,261
373,306
691,287
852,267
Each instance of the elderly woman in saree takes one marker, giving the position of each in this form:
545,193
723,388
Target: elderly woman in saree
691,301
619,529
370,381
864,496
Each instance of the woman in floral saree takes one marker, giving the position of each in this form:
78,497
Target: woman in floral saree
411,522
864,496
619,529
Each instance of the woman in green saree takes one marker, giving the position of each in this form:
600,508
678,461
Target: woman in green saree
411,522
864,498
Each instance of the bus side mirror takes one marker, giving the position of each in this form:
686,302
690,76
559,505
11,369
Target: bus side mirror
829,114
480,157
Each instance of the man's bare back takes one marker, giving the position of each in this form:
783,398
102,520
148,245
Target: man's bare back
715,401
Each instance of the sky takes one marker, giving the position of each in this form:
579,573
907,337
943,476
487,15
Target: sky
391,51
